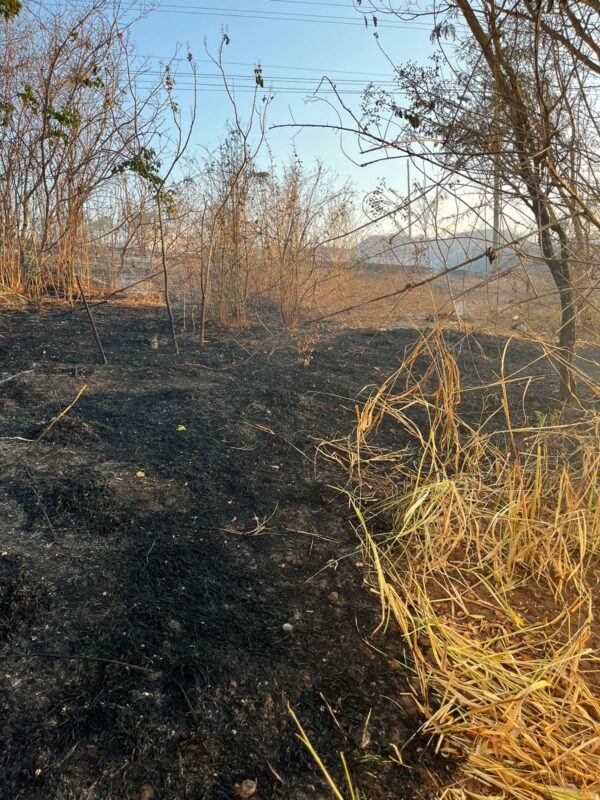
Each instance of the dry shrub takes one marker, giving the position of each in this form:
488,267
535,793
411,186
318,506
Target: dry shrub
306,344
481,544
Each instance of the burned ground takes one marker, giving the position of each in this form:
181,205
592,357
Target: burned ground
156,540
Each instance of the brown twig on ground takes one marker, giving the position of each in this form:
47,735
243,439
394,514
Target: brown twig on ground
154,672
63,413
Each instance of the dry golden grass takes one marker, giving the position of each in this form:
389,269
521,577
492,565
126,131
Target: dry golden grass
13,301
506,306
482,544
356,290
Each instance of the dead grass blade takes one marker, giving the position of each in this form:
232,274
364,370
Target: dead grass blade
481,545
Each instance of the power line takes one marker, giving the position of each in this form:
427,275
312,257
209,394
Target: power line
268,78
285,15
300,91
266,17
357,9
317,3
256,14
321,70
303,84
368,12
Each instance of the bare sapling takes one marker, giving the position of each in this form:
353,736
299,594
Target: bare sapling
146,163
247,137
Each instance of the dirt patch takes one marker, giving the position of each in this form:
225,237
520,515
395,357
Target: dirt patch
156,542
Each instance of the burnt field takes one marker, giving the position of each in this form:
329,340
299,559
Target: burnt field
176,568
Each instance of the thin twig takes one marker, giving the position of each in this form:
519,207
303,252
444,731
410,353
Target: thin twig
92,323
41,504
155,672
16,375
62,413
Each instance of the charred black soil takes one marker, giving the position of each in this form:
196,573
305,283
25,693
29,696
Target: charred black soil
157,539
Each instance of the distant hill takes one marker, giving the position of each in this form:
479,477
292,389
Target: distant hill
438,255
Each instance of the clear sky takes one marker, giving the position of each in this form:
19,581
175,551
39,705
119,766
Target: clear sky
297,42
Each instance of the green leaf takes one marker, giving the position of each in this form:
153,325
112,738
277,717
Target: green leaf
9,8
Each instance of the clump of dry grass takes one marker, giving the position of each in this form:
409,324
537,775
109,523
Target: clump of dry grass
481,544
13,301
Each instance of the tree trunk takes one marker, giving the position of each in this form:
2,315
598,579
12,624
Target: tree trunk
566,337
558,264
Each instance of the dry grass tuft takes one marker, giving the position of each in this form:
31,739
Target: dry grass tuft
13,301
482,544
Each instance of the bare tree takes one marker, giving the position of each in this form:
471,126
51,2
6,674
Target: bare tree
506,113
70,113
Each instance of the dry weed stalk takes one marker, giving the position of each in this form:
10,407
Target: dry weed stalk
469,526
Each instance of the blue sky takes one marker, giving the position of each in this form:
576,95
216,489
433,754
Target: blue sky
296,42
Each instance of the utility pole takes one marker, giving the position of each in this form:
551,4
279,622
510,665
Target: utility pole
496,222
497,185
409,200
